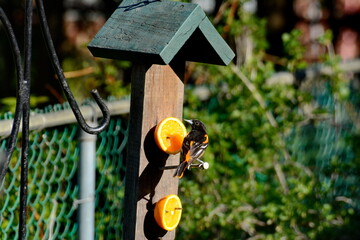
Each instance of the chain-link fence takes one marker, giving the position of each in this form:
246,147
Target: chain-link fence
53,183
327,143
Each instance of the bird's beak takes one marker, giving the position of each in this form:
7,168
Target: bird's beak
189,121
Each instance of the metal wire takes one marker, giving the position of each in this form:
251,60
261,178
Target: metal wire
25,96
18,111
22,108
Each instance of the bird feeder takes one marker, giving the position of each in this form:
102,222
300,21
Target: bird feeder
158,37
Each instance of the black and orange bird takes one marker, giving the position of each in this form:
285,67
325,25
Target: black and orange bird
193,147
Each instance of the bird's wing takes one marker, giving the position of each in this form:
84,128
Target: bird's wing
197,150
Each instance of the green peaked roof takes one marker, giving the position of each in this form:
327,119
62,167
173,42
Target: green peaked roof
157,31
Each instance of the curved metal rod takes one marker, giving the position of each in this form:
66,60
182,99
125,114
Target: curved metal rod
56,64
4,163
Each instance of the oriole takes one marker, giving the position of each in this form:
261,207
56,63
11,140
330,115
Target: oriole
193,146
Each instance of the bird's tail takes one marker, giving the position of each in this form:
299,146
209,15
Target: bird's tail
181,169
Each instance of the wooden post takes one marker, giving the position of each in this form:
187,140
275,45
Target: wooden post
149,33
157,92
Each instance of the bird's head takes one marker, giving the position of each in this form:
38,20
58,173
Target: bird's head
196,124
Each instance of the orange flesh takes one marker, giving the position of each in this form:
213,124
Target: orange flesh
169,135
172,138
168,211
171,213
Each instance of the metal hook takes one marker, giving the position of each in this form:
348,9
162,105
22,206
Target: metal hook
56,64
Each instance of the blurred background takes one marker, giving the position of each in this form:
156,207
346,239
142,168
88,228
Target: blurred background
283,118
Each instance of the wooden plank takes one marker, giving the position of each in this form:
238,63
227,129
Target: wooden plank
144,30
157,31
157,93
218,44
183,33
207,46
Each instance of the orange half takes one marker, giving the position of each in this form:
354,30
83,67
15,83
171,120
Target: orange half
168,211
169,135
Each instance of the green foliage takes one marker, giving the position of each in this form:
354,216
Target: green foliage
258,186
104,74
284,162
294,50
9,103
